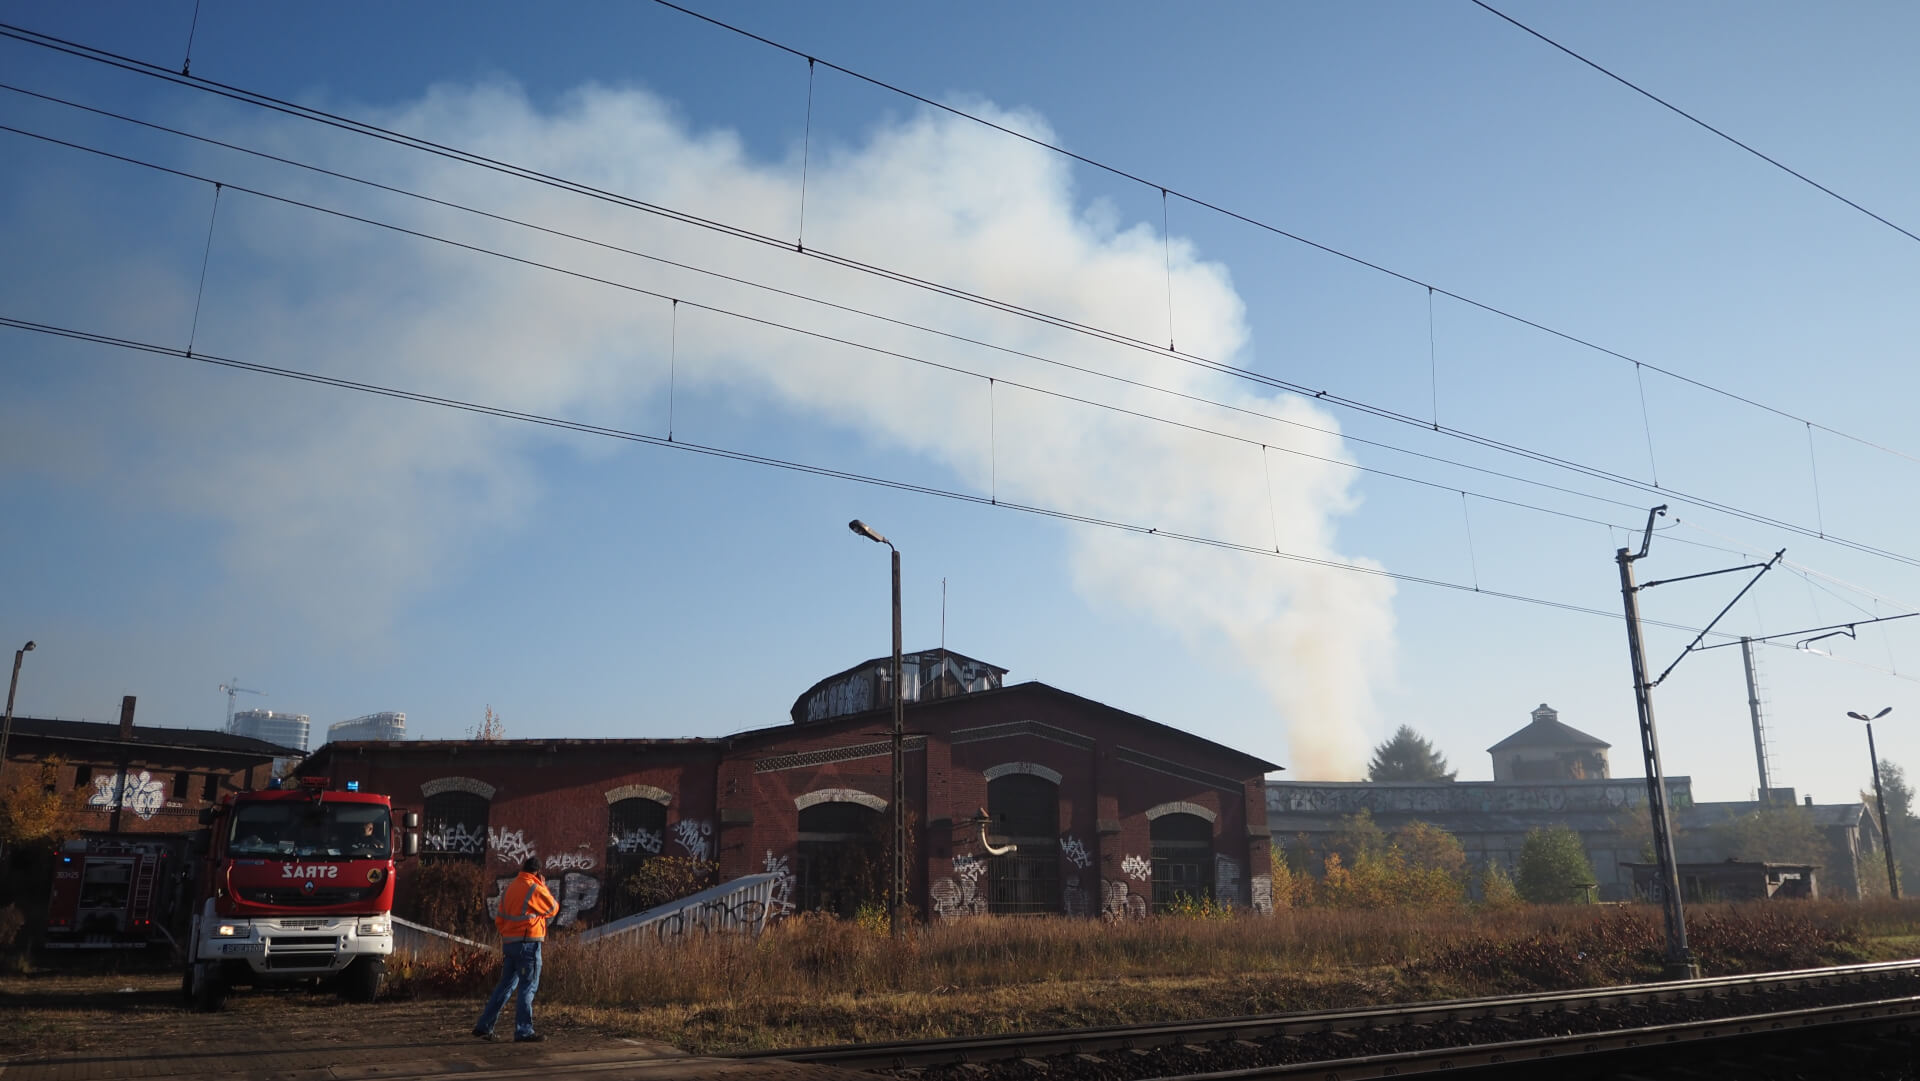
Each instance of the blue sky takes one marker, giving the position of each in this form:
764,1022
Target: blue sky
179,524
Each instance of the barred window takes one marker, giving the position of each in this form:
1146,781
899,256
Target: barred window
454,827
1182,859
1025,810
842,859
636,833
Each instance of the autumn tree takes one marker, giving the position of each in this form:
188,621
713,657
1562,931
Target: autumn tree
490,728
1408,756
1553,867
1420,866
34,813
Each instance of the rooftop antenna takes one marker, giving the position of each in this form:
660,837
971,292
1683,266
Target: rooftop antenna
943,627
232,688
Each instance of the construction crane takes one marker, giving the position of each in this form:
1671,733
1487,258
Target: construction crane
231,689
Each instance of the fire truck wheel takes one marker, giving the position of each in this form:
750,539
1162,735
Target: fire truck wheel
361,981
209,989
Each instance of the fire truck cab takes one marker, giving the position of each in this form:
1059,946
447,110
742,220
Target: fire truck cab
297,884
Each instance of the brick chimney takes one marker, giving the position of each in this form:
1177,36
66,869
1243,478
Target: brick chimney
126,717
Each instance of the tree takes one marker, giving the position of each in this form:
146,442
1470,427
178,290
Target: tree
34,813
1901,823
1496,889
1408,757
1553,867
1771,834
490,728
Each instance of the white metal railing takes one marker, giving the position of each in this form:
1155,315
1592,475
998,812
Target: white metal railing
741,905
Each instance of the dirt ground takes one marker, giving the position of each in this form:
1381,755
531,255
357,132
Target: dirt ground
58,1027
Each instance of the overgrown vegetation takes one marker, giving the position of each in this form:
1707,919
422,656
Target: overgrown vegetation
1419,866
1554,867
816,979
35,813
447,895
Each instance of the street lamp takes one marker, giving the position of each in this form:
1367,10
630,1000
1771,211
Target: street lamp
1893,880
898,871
6,728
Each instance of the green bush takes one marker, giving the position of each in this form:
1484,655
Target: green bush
1554,868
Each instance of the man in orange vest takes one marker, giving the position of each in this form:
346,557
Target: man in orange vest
522,918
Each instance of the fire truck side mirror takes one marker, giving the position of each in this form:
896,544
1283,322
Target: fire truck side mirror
412,820
410,843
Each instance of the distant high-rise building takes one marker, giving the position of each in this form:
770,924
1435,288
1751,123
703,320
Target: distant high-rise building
389,725
285,729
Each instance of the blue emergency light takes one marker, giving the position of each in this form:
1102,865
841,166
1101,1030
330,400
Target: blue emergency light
353,786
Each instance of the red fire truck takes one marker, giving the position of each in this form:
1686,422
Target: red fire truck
115,892
296,884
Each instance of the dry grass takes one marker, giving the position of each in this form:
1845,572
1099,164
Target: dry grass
812,980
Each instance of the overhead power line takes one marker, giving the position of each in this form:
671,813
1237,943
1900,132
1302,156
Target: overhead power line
1682,113
836,340
1258,223
791,465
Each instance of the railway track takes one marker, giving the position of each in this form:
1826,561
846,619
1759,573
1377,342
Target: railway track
1655,1028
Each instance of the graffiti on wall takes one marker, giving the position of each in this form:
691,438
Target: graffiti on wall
1226,880
1075,850
961,894
781,903
1262,894
570,861
635,841
576,892
1137,868
509,846
1119,902
1464,796
455,837
140,793
695,835
1074,899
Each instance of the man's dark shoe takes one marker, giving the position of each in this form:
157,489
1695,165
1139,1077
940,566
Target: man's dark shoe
534,1038
483,1034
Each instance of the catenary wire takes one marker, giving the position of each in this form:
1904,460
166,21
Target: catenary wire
818,335
265,101
1248,219
791,465
1678,111
1592,472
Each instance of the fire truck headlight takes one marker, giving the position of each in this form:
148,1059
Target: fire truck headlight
226,930
373,927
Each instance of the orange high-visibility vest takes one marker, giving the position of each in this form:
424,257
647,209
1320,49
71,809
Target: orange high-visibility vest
525,908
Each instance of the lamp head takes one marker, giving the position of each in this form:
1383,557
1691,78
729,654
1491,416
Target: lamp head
868,532
28,648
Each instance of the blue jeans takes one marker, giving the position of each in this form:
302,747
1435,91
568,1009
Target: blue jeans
522,966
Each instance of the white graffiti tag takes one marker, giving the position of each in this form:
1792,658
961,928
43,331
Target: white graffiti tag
960,895
570,861
1076,850
1137,868
141,794
639,840
781,903
578,893
510,846
455,837
693,835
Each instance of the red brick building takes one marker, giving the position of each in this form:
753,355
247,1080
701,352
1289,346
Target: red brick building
136,778
1111,812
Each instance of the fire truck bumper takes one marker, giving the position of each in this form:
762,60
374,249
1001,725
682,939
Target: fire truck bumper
297,947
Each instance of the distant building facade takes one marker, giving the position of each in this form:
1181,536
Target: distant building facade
1550,774
285,729
389,725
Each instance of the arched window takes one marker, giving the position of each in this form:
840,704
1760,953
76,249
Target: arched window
1025,809
842,858
1182,858
454,826
636,832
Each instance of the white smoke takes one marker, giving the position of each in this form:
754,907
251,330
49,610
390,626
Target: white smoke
362,497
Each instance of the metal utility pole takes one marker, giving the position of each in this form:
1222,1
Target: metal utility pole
6,728
897,876
1886,838
1759,732
1680,964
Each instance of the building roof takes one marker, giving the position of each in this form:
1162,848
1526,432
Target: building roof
1547,731
318,760
147,736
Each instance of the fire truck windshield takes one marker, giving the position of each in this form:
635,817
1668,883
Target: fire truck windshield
327,831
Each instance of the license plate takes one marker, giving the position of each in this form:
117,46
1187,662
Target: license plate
240,947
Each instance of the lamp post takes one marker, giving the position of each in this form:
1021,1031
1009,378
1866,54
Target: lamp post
6,728
897,877
1886,838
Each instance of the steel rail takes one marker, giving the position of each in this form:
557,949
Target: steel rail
898,1055
1901,1015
